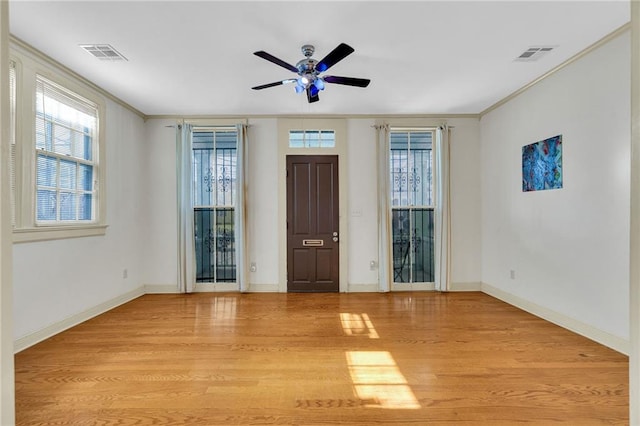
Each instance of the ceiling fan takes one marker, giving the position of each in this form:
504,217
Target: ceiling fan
309,70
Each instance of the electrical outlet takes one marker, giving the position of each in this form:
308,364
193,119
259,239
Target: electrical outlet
125,273
253,267
512,274
373,265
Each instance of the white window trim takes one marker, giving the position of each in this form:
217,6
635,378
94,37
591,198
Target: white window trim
26,229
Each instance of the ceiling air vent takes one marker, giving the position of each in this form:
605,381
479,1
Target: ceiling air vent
104,52
534,53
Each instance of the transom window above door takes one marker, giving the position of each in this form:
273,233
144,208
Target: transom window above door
312,139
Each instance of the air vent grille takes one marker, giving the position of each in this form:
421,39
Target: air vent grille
104,52
534,53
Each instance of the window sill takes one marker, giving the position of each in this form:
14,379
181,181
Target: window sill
57,233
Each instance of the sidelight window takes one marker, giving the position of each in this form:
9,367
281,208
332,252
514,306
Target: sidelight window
412,205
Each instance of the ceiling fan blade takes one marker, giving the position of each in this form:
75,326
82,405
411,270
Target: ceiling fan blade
271,58
312,97
335,56
347,81
275,83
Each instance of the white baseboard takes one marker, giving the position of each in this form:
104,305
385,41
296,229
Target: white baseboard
413,287
363,288
263,288
161,289
468,286
53,329
614,342
215,287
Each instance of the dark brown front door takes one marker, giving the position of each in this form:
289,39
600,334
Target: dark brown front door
312,224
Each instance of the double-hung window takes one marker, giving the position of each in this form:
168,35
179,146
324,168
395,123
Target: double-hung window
412,205
66,130
214,165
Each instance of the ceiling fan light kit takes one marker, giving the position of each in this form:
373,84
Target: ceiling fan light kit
308,69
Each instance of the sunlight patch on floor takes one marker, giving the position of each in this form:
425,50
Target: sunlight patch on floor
358,325
378,381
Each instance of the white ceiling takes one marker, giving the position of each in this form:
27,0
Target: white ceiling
423,57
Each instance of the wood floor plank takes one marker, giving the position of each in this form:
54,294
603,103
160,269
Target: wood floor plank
320,359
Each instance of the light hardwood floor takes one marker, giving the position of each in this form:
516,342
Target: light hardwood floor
320,359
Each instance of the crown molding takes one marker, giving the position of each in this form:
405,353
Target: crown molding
606,39
308,116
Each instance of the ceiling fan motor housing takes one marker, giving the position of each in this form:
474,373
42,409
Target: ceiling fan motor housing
306,65
307,50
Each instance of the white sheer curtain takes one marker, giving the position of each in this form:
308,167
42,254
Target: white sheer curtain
442,214
384,220
186,241
242,169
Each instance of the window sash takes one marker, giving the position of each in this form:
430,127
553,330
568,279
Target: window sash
411,169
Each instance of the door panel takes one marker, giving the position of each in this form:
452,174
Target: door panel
312,223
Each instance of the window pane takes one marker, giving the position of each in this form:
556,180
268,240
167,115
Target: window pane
226,246
419,177
82,145
313,138
328,139
422,241
86,177
43,134
225,176
67,206
204,178
85,208
296,139
62,140
68,178
399,181
46,205
400,229
46,171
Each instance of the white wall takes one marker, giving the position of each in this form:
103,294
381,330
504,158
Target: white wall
159,226
465,175
55,280
159,254
362,211
569,248
262,204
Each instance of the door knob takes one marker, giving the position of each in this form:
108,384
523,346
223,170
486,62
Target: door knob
335,239
335,234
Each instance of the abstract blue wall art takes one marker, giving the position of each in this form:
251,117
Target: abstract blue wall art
542,165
